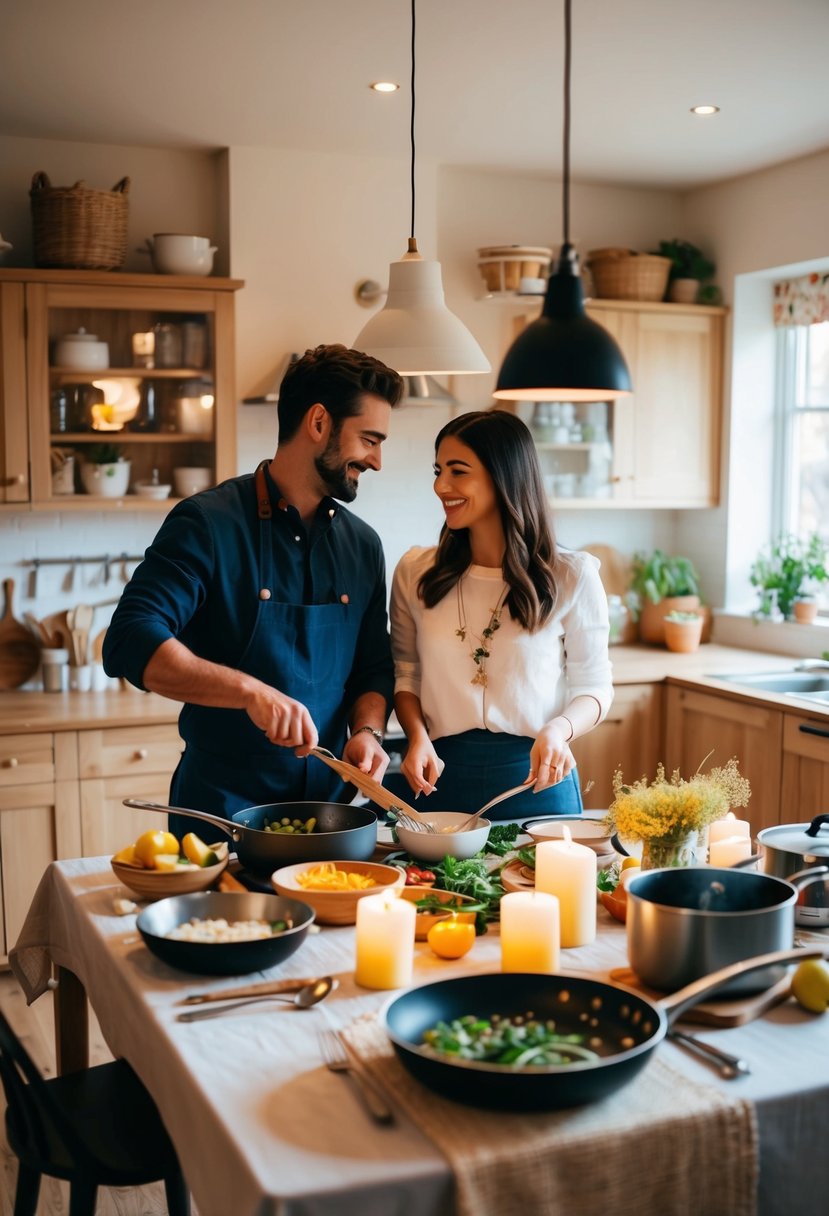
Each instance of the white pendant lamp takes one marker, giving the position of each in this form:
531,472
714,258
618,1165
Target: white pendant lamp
414,332
564,355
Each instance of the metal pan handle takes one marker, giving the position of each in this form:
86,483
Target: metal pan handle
676,1004
225,825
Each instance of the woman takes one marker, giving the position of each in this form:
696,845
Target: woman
499,637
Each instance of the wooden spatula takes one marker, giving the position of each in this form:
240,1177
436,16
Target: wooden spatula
19,648
365,784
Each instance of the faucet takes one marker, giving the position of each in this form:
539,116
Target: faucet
813,665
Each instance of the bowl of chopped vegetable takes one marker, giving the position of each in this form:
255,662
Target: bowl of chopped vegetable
432,905
334,888
224,932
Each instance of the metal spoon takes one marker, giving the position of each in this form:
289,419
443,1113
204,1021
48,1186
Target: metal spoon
310,995
473,819
727,1066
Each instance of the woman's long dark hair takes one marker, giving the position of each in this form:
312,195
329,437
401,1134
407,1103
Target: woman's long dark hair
505,448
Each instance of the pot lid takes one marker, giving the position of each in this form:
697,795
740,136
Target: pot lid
805,838
80,336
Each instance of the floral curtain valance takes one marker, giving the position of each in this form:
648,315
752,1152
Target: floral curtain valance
802,301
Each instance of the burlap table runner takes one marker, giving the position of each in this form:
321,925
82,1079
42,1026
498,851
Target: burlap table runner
662,1145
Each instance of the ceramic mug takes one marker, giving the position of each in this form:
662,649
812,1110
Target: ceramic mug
187,481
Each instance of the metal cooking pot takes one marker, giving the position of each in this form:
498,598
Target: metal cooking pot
343,833
625,1027
789,847
685,923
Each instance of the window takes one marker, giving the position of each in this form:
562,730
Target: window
801,482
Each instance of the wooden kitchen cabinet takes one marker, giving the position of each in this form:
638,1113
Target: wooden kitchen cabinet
38,307
119,763
805,786
38,820
630,739
659,447
707,727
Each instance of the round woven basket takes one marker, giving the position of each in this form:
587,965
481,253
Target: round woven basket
76,228
619,274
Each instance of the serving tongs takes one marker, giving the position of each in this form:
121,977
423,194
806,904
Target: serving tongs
405,814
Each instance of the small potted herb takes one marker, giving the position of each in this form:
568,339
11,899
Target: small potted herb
662,584
683,631
689,269
104,471
790,570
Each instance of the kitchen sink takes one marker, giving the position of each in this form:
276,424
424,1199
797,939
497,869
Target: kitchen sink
811,684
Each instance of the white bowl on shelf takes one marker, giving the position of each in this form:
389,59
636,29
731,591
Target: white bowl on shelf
151,489
191,480
177,253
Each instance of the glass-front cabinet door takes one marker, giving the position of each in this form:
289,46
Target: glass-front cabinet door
130,387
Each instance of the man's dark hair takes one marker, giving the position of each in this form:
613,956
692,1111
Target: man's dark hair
336,377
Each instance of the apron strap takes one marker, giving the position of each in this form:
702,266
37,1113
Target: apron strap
263,498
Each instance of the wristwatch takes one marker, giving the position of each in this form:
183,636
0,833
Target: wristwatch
378,734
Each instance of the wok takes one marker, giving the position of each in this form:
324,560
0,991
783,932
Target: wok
224,958
623,1026
343,833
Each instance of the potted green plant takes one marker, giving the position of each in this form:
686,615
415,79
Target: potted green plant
104,471
662,584
689,269
789,570
683,631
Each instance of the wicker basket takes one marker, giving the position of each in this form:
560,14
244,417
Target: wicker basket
619,274
76,228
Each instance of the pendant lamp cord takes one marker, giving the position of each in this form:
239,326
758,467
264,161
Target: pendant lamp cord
565,180
412,126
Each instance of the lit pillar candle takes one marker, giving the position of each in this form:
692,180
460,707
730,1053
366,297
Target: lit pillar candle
729,826
529,932
568,871
729,849
385,942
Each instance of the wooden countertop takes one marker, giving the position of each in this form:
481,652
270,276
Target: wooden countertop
23,712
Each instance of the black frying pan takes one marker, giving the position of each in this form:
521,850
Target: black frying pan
342,833
622,1026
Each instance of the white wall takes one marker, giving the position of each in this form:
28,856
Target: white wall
756,227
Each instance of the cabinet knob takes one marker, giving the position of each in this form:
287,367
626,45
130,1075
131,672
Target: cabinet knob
10,762
141,753
17,480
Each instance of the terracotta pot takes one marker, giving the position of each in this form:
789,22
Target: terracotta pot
652,616
805,611
683,291
683,637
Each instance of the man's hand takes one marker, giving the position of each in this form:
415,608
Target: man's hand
366,753
286,722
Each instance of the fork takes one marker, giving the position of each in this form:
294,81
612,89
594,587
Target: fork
336,1059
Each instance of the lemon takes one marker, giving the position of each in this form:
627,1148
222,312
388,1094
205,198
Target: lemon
126,855
451,938
197,851
631,863
150,844
810,985
165,862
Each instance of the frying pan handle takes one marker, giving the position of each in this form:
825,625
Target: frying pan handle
225,825
676,1004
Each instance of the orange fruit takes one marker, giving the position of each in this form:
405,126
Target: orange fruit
451,938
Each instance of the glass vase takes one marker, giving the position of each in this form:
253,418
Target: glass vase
666,851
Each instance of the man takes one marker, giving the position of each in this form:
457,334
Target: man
261,604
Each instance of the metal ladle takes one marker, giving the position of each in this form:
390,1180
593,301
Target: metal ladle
310,995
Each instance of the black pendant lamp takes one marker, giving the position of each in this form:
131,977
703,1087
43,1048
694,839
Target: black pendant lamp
564,355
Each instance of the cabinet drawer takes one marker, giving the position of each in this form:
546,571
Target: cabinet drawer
26,758
129,751
807,737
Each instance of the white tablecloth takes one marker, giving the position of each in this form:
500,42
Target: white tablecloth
262,1129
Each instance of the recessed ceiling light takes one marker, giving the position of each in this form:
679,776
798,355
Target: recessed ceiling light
384,86
705,111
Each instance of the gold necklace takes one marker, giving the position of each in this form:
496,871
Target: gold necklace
482,651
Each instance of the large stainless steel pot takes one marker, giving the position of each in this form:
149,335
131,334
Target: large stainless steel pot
788,847
685,923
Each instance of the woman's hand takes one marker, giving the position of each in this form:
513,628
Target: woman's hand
422,766
550,759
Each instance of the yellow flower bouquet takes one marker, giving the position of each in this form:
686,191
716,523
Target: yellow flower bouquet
665,813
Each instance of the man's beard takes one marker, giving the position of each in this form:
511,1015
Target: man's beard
334,474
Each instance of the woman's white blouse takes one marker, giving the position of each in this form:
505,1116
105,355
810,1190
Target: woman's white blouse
531,677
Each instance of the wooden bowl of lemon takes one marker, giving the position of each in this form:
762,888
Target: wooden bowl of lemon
334,888
156,866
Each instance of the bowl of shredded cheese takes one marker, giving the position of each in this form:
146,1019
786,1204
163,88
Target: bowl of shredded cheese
333,888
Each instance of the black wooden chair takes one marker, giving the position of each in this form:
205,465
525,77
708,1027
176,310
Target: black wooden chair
98,1127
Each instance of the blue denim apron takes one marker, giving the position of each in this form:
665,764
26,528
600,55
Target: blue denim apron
483,763
304,650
